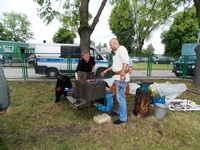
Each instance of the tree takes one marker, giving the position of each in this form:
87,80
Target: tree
184,29
64,36
133,21
80,17
149,50
78,10
121,24
104,45
3,33
15,27
99,46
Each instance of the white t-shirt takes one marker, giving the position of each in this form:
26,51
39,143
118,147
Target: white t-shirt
121,56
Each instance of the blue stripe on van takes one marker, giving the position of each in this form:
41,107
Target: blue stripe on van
64,60
56,60
101,62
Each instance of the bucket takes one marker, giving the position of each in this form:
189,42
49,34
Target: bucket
160,110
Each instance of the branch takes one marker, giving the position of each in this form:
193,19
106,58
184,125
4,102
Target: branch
96,18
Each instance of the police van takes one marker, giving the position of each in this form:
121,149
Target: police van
54,59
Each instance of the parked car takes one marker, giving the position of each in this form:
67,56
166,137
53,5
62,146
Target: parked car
154,58
164,60
31,60
143,59
135,59
185,66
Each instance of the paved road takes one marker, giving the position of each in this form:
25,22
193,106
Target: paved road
154,74
16,73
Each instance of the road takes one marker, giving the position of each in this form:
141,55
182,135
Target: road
16,73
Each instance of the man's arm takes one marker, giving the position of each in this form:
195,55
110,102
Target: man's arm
125,67
108,69
93,68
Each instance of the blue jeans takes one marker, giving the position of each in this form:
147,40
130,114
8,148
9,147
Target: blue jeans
120,92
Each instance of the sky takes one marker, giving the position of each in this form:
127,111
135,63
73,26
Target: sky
101,34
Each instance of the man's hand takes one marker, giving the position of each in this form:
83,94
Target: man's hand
122,78
2,112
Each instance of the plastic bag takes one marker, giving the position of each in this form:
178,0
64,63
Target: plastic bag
169,90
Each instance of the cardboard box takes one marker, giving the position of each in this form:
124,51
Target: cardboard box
103,118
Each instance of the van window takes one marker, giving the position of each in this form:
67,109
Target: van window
66,50
73,51
76,52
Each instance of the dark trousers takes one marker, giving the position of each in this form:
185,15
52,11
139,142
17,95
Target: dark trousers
59,93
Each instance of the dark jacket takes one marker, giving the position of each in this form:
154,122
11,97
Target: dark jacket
85,67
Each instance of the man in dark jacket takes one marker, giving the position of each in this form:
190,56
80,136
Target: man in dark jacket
86,63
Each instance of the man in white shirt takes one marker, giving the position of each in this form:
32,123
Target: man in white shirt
121,77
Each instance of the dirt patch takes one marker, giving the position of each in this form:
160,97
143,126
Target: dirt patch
70,130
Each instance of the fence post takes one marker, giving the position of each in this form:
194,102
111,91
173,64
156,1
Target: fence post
24,64
69,66
149,66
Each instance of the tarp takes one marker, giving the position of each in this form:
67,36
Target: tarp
163,89
4,91
169,90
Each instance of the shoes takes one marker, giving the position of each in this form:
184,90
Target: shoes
112,114
57,100
118,122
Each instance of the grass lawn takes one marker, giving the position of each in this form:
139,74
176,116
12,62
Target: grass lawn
35,122
154,66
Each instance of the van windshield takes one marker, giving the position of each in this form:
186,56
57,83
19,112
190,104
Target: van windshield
188,58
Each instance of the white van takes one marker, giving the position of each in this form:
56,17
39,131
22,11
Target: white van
54,59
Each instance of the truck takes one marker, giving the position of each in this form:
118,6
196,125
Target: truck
13,50
185,66
53,59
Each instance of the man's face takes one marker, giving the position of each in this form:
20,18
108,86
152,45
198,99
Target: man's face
112,45
86,57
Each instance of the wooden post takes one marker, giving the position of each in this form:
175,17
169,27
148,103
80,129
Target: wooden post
143,99
142,103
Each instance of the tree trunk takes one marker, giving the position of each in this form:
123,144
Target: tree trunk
197,68
85,30
197,49
85,33
197,6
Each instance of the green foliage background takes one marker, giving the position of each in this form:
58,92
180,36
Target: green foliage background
184,29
